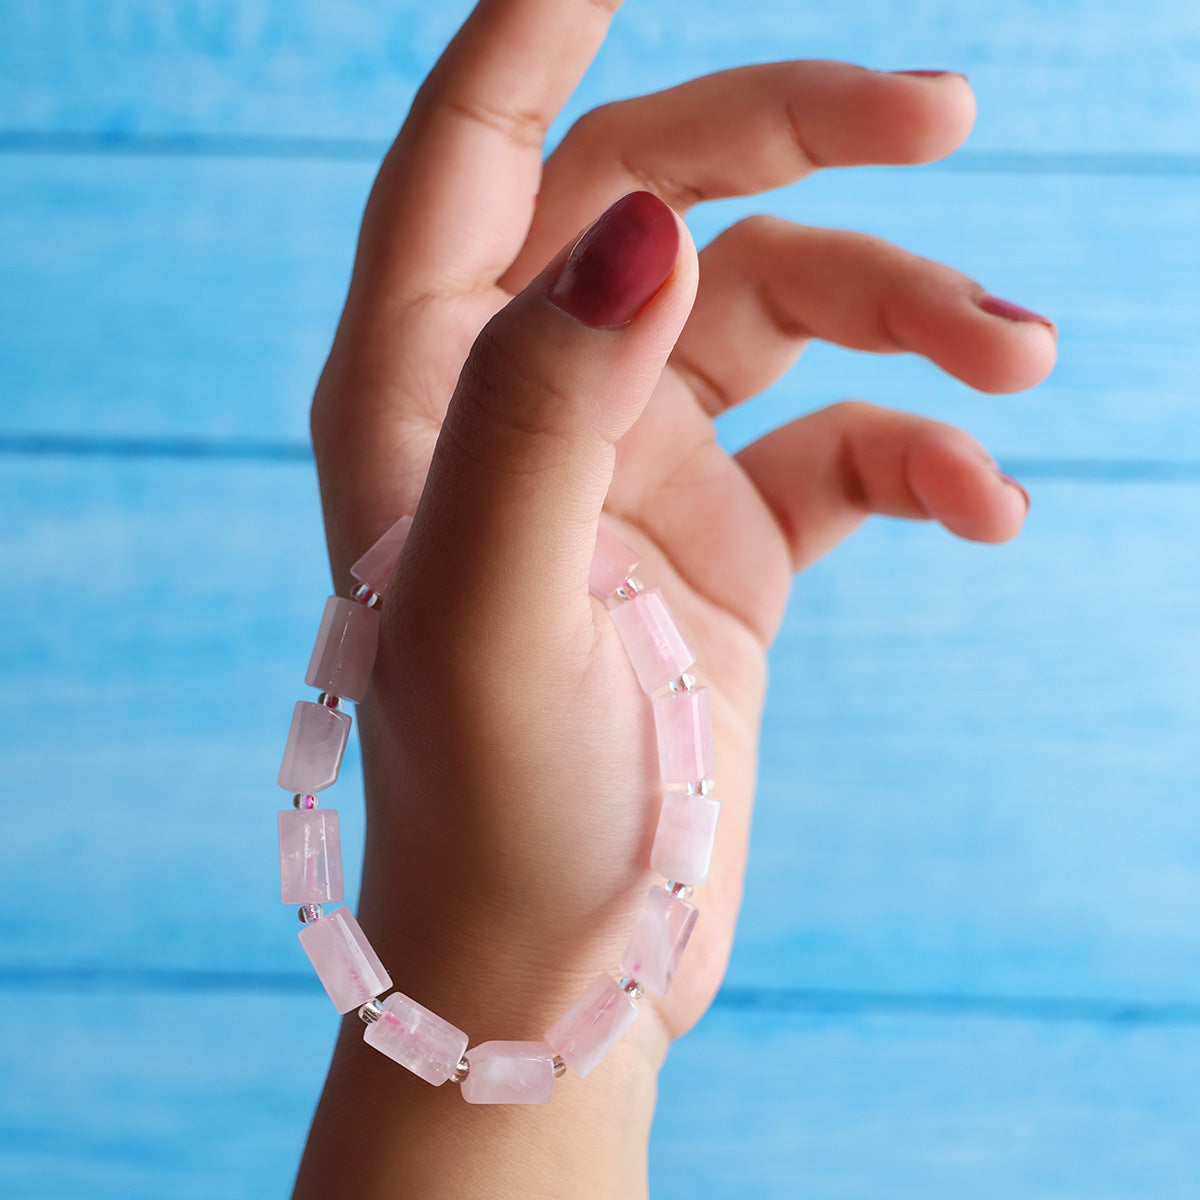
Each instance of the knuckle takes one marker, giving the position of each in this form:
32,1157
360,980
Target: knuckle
763,225
851,411
503,414
595,132
522,127
796,131
603,134
759,228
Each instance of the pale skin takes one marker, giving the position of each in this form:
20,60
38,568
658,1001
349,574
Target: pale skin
511,776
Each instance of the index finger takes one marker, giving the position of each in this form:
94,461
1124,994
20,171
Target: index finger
454,197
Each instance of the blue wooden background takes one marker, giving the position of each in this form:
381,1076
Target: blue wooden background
969,958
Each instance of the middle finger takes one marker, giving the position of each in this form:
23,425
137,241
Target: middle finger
739,132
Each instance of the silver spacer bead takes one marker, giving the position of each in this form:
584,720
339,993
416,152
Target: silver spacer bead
461,1071
329,700
683,683
371,1011
699,787
631,987
365,595
304,800
682,890
309,913
630,587
560,1067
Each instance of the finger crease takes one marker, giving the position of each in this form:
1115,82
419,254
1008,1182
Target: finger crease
714,397
523,128
850,479
784,322
678,195
795,131
883,321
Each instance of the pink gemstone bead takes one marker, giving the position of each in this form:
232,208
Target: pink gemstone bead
345,649
417,1039
612,563
656,647
509,1073
683,842
315,745
376,566
659,939
683,724
343,958
310,856
586,1031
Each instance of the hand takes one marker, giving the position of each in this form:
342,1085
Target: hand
511,777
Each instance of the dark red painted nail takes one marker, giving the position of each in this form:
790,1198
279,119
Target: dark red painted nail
1013,483
927,73
620,262
996,307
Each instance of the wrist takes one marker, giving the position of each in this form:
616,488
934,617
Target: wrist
591,1143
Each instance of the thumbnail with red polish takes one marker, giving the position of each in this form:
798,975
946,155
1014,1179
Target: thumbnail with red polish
996,307
620,262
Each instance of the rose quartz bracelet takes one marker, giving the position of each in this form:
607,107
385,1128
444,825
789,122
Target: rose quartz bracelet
310,863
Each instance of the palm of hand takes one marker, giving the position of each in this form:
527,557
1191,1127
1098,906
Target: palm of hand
510,765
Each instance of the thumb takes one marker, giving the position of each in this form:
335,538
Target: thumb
526,452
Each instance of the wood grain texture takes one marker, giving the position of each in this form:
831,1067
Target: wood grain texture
141,1094
968,962
1052,78
196,298
977,762
918,1107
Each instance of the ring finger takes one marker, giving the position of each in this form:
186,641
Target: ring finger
767,286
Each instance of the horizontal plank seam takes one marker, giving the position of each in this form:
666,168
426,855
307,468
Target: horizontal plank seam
69,445
251,145
735,999
41,445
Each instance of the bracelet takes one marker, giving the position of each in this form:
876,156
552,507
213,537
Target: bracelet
310,864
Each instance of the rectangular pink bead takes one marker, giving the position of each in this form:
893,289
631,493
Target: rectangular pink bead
509,1073
658,940
683,842
343,958
417,1039
683,726
344,652
612,563
310,856
376,566
315,744
589,1028
657,649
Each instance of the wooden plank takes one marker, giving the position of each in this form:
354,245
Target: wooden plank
146,1094
975,770
196,298
187,297
926,1108
979,759
151,1093
1050,78
152,707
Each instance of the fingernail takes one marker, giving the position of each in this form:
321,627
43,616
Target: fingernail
1013,483
620,262
996,307
926,73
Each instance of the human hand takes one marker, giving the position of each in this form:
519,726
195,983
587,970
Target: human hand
511,776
